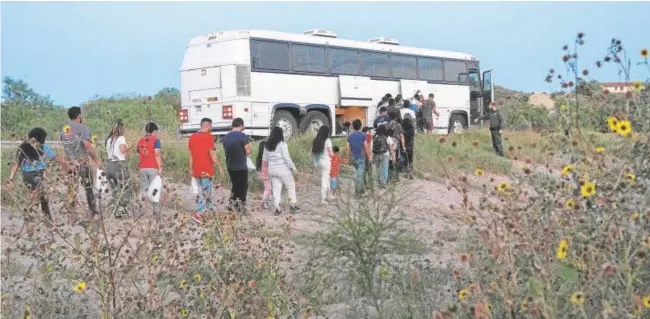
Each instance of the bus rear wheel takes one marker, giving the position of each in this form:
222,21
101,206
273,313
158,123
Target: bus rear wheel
287,122
457,124
313,121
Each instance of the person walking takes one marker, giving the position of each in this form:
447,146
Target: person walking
281,169
263,175
32,159
358,151
409,143
381,154
496,127
117,173
428,111
382,119
80,152
237,147
392,109
397,133
150,165
203,158
321,151
407,108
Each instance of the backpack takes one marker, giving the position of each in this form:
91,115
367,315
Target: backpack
379,144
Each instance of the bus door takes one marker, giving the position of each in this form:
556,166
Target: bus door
488,89
475,95
355,99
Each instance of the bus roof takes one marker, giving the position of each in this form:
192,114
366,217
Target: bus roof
301,38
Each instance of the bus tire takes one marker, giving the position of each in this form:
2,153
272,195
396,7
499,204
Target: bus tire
287,122
457,124
313,120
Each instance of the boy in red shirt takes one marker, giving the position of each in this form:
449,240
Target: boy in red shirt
203,157
150,161
334,170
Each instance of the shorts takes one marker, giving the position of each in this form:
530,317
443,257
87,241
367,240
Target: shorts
33,179
430,125
334,181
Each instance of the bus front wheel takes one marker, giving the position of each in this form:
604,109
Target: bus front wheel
312,122
287,122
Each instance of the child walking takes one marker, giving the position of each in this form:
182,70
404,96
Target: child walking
334,170
263,175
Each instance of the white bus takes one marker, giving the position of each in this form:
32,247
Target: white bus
303,81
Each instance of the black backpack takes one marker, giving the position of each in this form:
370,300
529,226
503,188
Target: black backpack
379,144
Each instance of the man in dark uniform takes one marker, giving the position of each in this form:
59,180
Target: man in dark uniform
496,127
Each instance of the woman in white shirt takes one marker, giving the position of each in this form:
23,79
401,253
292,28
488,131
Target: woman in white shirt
321,151
117,171
281,169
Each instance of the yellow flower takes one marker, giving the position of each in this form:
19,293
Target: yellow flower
612,122
600,149
93,139
67,129
563,107
182,284
570,204
197,277
79,287
644,53
630,177
28,312
562,249
524,305
646,301
463,294
184,312
383,272
479,172
635,216
503,187
624,128
567,169
201,295
578,298
588,189
154,259
637,86
226,237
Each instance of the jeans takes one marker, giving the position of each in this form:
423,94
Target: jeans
324,168
205,195
118,176
82,175
279,178
360,166
239,191
146,177
334,181
34,181
381,162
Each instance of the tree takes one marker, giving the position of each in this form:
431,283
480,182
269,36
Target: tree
170,96
17,91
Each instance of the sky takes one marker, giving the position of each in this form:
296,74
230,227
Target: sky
76,50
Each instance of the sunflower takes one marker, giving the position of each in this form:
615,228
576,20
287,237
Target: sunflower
570,204
463,294
567,169
644,53
578,298
28,312
184,312
630,177
79,287
562,249
182,284
154,259
624,128
197,277
637,86
600,149
479,172
612,122
588,189
67,129
524,305
503,187
93,139
646,301
635,216
563,108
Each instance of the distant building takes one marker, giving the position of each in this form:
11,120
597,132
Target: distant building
617,87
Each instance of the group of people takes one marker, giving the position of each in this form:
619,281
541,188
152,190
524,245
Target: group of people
389,149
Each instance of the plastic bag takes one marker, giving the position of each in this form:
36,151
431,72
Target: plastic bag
101,181
250,164
194,186
154,192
